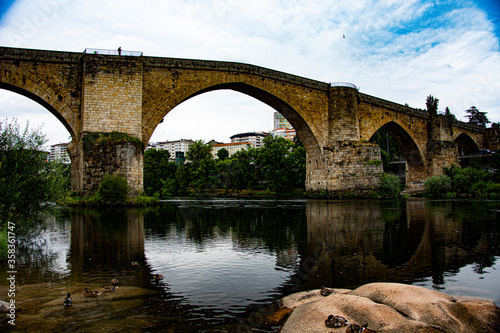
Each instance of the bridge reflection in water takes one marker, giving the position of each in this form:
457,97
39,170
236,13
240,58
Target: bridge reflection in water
357,242
224,259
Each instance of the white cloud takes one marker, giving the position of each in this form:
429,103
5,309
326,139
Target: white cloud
397,50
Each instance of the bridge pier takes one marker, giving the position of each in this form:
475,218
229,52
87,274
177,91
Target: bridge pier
101,154
345,167
345,164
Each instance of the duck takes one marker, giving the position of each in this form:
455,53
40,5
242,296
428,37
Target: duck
355,328
158,277
114,281
135,263
108,289
68,301
90,293
325,291
336,321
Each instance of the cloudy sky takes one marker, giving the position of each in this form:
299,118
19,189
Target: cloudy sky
397,50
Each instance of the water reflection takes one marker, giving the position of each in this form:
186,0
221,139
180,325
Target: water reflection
223,259
104,243
355,242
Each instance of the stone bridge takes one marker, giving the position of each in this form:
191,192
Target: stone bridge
95,94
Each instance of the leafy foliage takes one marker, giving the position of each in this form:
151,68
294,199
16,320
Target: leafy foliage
390,184
432,104
27,180
279,165
113,190
477,117
199,151
222,154
438,186
157,169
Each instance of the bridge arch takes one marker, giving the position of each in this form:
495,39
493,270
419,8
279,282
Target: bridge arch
29,85
303,130
409,148
466,145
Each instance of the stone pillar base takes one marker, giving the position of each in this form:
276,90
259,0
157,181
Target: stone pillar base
345,167
101,154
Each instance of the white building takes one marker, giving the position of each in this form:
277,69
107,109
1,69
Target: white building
59,152
254,138
173,147
287,133
232,147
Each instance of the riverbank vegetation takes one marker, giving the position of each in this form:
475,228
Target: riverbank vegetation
466,182
278,168
28,182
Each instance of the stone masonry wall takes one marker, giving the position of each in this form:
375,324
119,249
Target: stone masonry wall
112,98
125,159
347,166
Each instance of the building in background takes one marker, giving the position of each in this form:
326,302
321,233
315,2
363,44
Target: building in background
177,149
254,138
280,121
59,152
232,147
282,127
287,133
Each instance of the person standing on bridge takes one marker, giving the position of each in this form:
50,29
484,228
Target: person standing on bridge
119,50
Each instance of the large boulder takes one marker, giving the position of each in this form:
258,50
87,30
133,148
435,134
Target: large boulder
390,307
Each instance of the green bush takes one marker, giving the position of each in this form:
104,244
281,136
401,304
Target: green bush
113,190
4,245
390,184
463,179
438,186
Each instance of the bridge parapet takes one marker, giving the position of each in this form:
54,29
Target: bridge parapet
468,126
393,106
178,63
39,55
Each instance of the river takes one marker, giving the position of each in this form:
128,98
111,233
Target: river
225,262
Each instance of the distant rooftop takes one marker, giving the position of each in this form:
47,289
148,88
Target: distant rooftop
240,135
113,52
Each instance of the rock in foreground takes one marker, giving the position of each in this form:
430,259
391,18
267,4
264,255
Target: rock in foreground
390,307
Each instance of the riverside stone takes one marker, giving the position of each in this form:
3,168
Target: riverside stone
391,307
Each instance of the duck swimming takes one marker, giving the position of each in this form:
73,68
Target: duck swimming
158,277
90,293
67,300
135,263
114,281
108,289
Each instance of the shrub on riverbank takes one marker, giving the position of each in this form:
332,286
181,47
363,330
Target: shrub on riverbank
438,186
390,184
463,182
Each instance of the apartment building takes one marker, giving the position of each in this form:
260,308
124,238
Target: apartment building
59,152
254,138
232,147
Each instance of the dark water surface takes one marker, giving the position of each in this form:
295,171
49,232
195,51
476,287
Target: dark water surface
225,261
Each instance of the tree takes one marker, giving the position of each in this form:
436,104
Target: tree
477,117
157,168
279,165
432,104
222,154
198,151
448,114
27,180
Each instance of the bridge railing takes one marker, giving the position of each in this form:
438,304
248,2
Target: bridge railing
113,52
342,84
